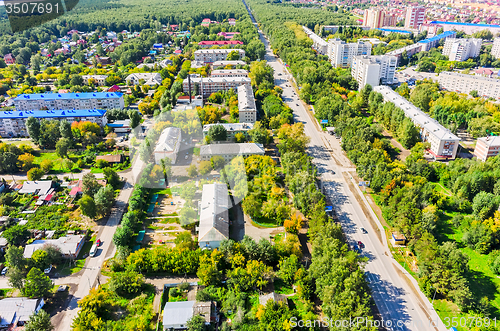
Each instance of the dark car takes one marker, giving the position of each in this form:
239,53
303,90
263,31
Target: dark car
364,230
361,245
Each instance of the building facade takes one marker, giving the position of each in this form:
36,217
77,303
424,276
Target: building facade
229,73
213,55
100,80
487,147
230,150
462,83
246,104
374,70
341,53
149,78
462,49
219,43
495,49
374,18
444,144
214,215
415,16
207,86
319,44
69,101
231,128
13,123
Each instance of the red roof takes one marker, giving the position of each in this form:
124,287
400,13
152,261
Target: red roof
220,42
75,191
114,88
49,197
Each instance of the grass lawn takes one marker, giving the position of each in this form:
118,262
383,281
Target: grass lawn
172,220
5,292
57,166
264,222
441,189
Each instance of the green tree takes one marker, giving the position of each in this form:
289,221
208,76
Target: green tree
196,323
128,283
88,206
484,205
16,234
240,137
16,277
217,133
205,167
112,178
90,186
217,162
37,284
39,259
104,199
187,216
135,118
33,127
122,236
46,165
65,129
39,321
184,240
62,147
192,171
14,257
35,174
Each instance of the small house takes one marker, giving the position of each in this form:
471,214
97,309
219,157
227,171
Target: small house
398,239
17,311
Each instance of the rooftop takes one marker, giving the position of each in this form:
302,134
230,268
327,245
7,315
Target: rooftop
214,215
169,139
466,24
220,42
68,96
232,149
490,141
40,187
68,245
51,113
438,37
217,51
177,313
246,99
230,126
218,79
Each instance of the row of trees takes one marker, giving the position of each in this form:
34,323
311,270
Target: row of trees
97,200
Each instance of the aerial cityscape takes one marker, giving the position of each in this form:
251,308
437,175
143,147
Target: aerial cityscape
249,165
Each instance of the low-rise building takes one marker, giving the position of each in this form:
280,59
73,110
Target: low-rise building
69,101
219,43
246,104
168,145
341,53
228,35
374,70
37,187
230,150
319,44
207,86
218,64
148,78
229,73
213,55
444,144
99,80
214,216
462,83
177,314
196,100
69,246
9,59
120,126
462,49
111,158
231,128
487,147
17,311
13,123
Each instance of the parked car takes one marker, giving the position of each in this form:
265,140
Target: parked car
361,245
4,271
98,242
48,270
62,288
93,250
364,230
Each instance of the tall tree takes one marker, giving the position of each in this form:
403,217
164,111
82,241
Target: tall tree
87,206
37,284
39,321
33,127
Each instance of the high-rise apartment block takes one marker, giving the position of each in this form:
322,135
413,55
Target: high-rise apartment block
495,50
462,49
415,16
374,18
374,70
341,53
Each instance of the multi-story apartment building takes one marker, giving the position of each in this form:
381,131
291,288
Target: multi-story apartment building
218,64
319,44
390,20
13,123
168,145
207,86
246,104
487,147
213,55
374,18
373,70
73,101
219,43
229,73
415,16
147,78
230,150
462,49
341,53
462,83
99,80
231,128
444,144
495,49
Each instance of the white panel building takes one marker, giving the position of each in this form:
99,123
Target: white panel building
70,101
246,104
168,145
444,144
462,83
229,73
495,49
319,44
214,215
462,49
374,69
341,53
230,151
213,55
211,85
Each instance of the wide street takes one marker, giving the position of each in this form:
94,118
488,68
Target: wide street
395,298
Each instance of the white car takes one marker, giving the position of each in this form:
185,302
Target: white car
4,271
48,270
93,250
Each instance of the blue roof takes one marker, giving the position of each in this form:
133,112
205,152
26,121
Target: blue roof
394,30
466,24
438,37
69,96
51,113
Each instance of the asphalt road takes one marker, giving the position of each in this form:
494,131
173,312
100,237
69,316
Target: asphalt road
395,298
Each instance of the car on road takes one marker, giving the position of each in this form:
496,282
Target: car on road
356,248
297,104
93,250
62,288
98,242
48,270
361,245
364,230
4,271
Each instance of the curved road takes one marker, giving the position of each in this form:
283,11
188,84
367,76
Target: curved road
396,295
